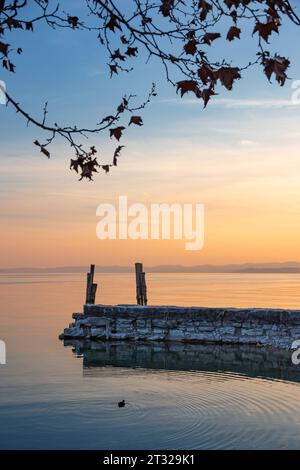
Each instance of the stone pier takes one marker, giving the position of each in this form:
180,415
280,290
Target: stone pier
263,327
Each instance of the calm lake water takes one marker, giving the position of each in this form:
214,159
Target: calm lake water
56,396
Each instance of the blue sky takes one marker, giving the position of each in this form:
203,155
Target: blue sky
68,68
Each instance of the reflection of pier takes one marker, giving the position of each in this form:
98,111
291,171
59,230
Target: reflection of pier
247,360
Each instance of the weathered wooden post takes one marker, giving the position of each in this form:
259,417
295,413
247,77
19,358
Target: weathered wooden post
93,293
138,270
91,288
141,288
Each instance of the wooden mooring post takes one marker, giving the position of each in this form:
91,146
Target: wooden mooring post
141,287
91,288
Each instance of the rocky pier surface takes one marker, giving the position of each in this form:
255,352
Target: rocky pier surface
265,327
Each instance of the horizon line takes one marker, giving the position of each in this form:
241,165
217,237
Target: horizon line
283,266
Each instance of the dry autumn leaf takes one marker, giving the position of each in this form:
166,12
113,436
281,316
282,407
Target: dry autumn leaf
191,47
42,148
233,33
227,75
208,38
166,7
277,66
117,132
117,154
4,48
188,85
137,120
113,69
132,51
117,55
73,21
113,24
205,8
266,29
206,94
206,73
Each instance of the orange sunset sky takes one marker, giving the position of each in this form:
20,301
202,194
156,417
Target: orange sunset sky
250,189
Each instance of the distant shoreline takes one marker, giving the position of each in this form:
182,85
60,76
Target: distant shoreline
247,268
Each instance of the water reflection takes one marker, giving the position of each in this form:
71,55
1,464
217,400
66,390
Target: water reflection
249,361
177,395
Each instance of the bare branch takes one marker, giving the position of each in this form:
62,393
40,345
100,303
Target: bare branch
179,34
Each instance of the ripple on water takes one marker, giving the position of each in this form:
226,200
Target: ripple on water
209,410
201,410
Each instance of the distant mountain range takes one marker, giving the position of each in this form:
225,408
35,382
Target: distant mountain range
287,267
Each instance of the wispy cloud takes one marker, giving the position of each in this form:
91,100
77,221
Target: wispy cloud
229,103
247,143
258,103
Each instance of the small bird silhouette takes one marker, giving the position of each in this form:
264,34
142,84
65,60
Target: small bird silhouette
121,404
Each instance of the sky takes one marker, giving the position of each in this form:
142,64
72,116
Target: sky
239,157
